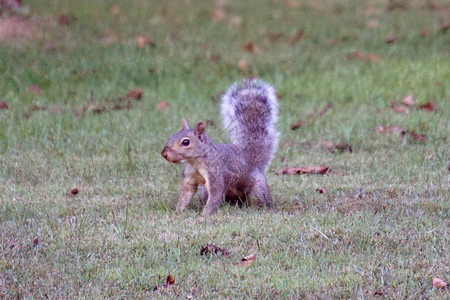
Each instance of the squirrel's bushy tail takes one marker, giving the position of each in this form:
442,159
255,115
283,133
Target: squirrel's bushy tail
250,111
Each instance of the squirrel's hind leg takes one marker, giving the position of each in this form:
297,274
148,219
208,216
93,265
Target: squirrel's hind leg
260,190
202,195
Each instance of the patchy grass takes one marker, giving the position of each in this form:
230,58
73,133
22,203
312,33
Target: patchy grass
381,229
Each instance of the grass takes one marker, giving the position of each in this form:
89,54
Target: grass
381,230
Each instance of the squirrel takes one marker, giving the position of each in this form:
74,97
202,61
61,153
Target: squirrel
249,110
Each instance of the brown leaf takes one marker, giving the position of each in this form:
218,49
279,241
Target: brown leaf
427,106
169,280
142,41
292,3
424,33
409,100
115,10
73,192
247,261
3,105
390,39
373,24
243,65
321,190
373,57
444,26
295,126
325,109
439,283
63,20
250,48
414,136
399,109
219,13
35,241
135,94
163,105
213,249
303,170
297,37
34,89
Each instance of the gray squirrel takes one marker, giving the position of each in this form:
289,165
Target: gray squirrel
250,111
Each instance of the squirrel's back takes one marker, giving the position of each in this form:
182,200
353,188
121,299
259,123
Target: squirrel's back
250,111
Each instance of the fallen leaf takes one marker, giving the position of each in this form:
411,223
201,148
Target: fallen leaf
135,94
443,26
373,57
424,33
72,192
142,41
396,130
250,48
163,105
213,249
169,280
414,136
321,190
373,24
303,170
325,109
247,261
427,106
292,3
35,242
63,20
297,37
390,39
399,109
3,105
219,13
115,10
295,126
243,65
409,100
34,89
439,283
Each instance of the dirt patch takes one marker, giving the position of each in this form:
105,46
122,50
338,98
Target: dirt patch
15,29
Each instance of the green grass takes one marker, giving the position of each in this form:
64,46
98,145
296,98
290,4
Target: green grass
381,230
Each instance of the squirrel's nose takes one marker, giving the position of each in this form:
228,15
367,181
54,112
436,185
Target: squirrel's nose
164,154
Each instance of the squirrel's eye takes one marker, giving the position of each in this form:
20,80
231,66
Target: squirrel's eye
185,142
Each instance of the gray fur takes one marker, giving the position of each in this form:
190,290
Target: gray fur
249,110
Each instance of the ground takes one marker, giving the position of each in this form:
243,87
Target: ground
91,90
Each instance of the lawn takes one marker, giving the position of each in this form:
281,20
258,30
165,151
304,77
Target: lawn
91,90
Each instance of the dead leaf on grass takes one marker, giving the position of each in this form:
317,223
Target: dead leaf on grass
63,20
439,283
247,261
413,136
72,192
3,105
325,109
250,47
295,126
163,105
213,249
243,65
321,190
143,41
321,170
35,241
135,94
34,89
409,100
390,39
392,129
399,109
427,106
297,37
169,280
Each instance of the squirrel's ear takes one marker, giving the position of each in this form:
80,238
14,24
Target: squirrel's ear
184,124
200,131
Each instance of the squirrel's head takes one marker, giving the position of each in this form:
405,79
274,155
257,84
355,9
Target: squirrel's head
186,144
